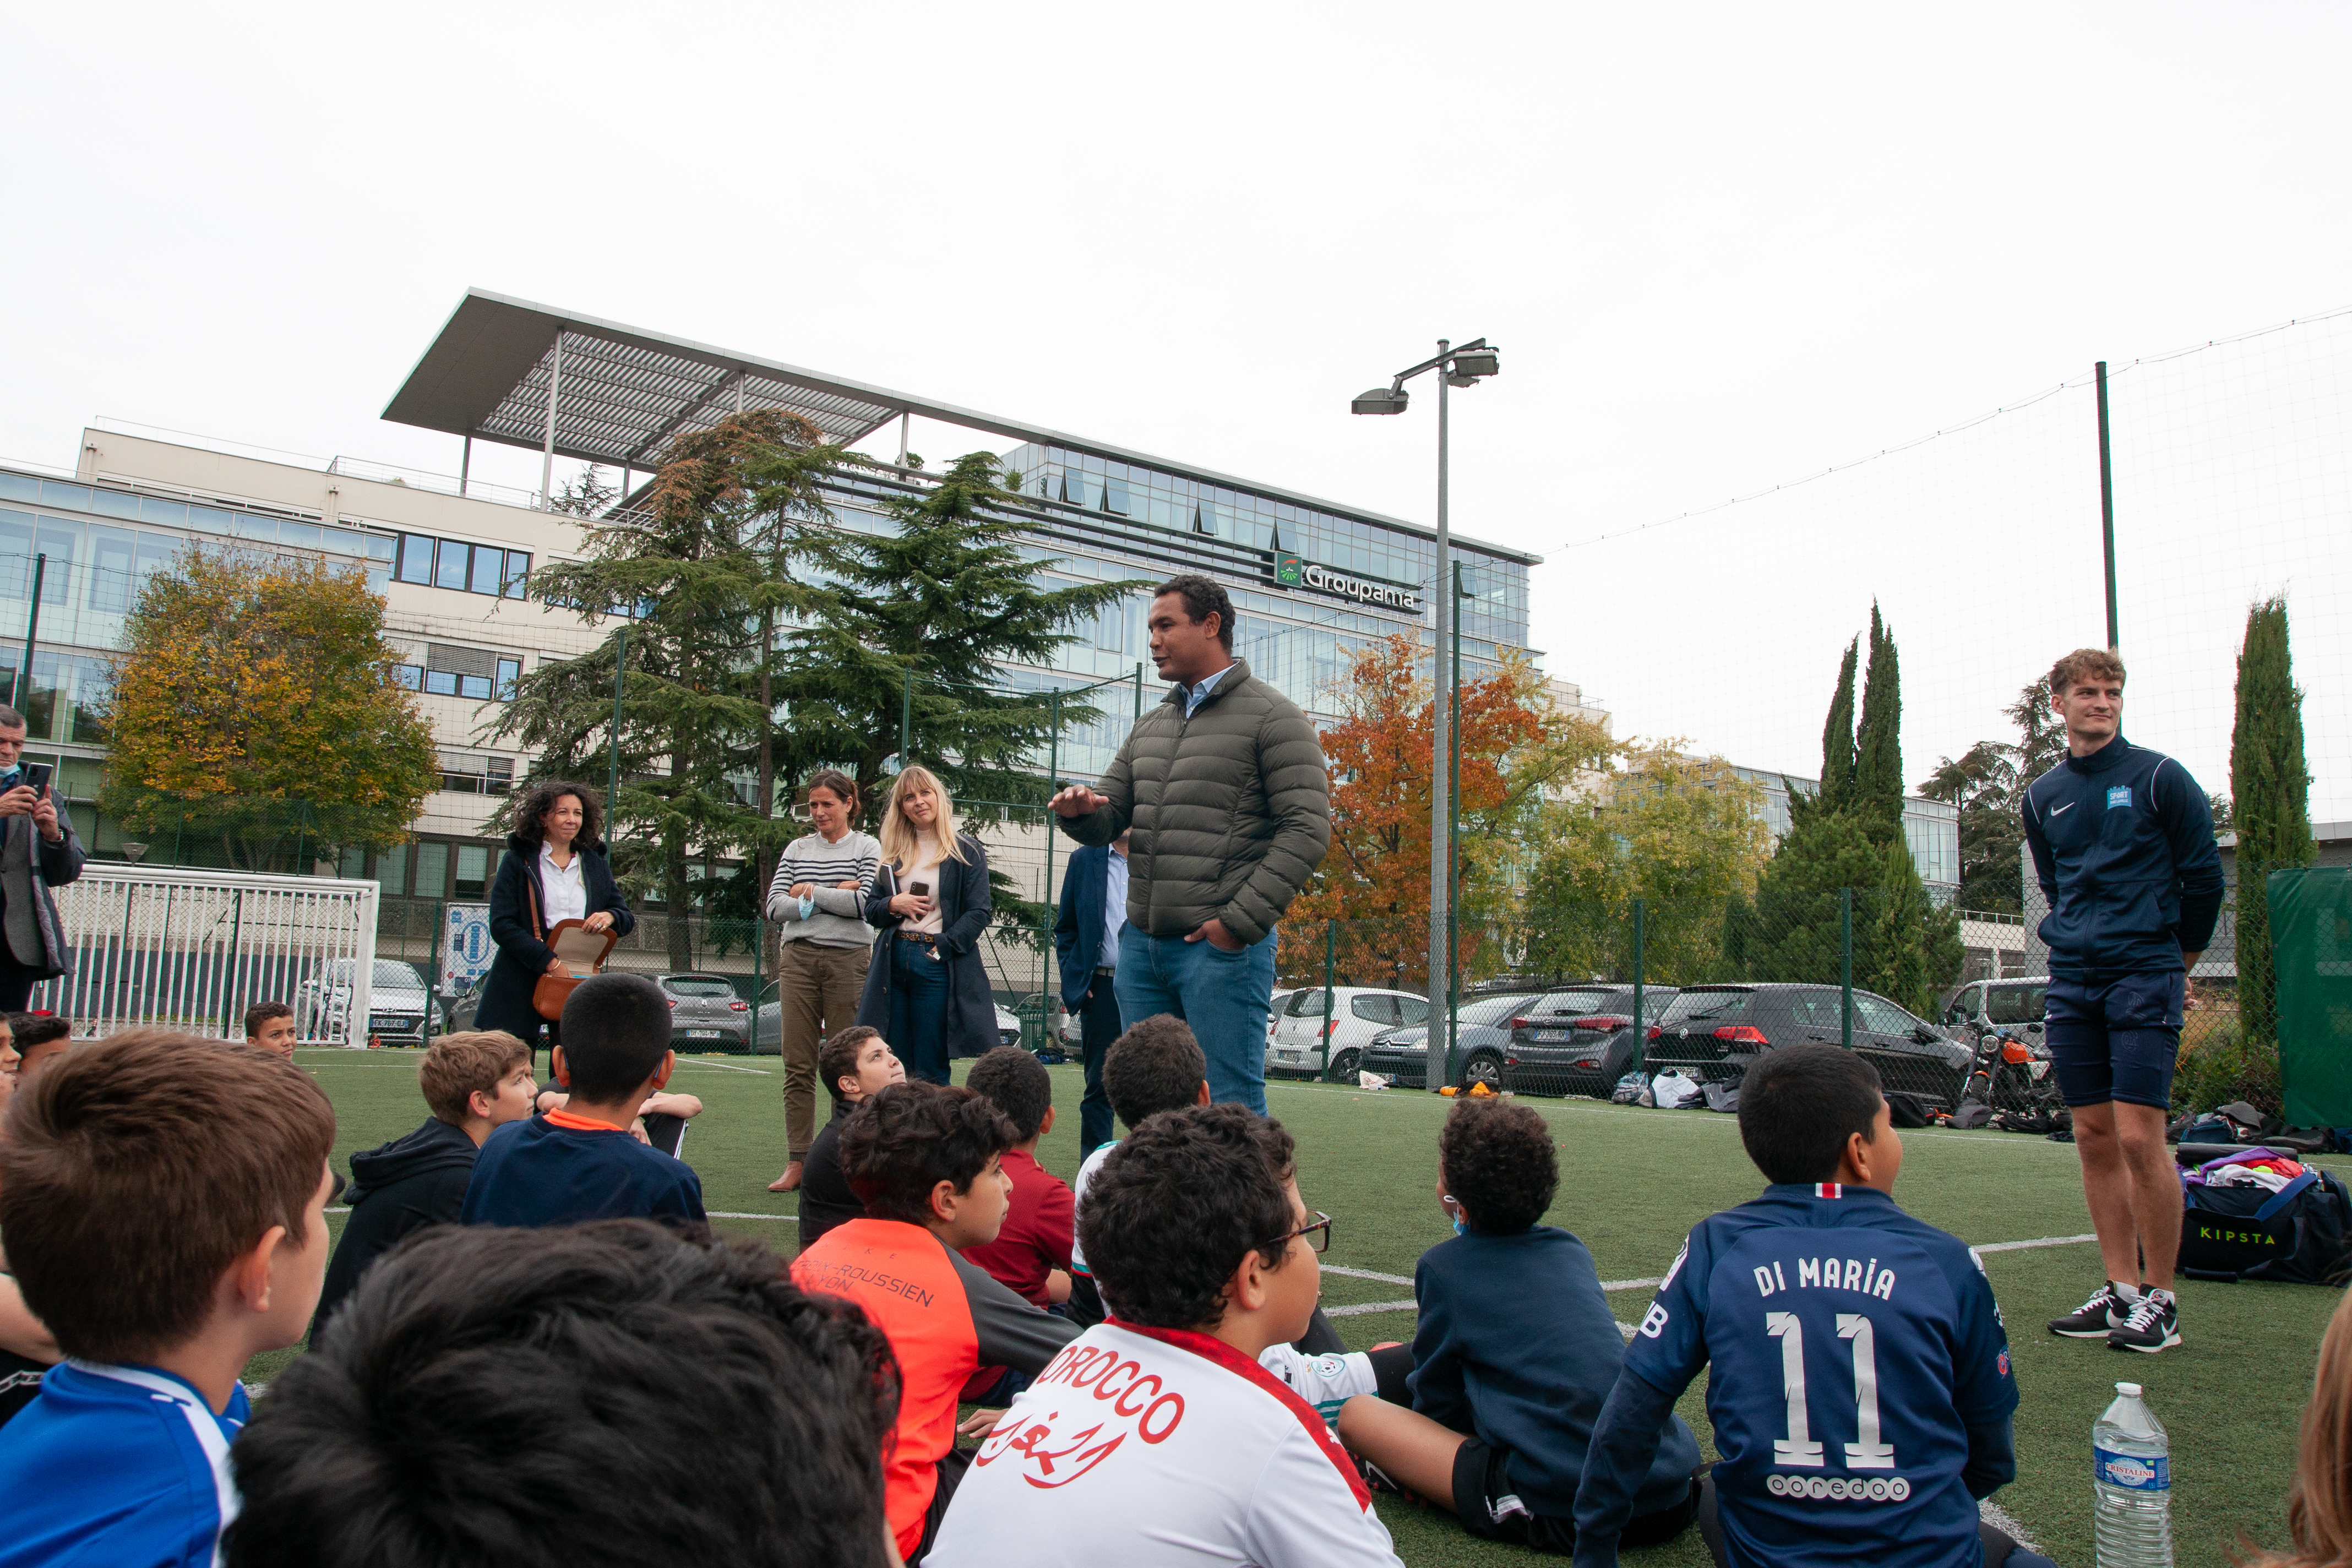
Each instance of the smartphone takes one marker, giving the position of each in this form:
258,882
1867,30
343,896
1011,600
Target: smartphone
920,889
36,776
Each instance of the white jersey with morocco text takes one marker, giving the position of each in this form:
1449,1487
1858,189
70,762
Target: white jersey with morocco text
1155,1448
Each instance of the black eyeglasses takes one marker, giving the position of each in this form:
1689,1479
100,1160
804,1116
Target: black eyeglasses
1317,1230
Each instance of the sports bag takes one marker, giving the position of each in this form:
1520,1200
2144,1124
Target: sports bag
2299,1236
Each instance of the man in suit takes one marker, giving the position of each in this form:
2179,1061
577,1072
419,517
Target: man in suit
36,853
1085,938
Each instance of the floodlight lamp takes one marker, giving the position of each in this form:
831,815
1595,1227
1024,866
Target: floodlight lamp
1380,400
1477,363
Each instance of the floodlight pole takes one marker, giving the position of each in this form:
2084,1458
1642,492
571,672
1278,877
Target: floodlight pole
20,695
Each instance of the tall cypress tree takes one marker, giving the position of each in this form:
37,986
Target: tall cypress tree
2270,788
1878,794
1837,748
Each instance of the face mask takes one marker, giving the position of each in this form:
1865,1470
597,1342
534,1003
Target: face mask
808,907
1459,1229
1453,1208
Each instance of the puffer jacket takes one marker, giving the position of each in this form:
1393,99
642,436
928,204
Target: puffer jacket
1232,810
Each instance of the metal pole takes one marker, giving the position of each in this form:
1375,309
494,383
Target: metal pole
906,722
1641,1033
1053,783
21,693
465,464
1138,690
904,415
1845,962
1439,848
612,776
1453,841
547,454
2108,504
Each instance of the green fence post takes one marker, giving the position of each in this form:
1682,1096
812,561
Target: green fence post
1331,961
1845,959
1641,1033
759,952
432,962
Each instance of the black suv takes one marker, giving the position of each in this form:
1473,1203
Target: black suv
1579,1040
1711,1033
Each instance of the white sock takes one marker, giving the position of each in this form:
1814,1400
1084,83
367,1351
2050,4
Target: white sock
2125,1293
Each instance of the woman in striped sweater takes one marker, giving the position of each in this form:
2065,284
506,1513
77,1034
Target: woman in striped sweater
818,901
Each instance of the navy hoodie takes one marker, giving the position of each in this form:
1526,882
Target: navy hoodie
400,1186
2123,846
1517,1344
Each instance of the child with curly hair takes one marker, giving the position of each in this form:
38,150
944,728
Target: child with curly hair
1516,1353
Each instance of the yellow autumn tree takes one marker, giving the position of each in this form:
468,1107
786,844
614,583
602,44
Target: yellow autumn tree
254,700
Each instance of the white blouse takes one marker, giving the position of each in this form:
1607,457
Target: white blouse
565,887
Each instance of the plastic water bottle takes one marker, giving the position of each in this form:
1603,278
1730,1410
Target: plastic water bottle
2132,1469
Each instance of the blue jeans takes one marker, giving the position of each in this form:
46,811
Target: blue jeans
918,1011
1223,995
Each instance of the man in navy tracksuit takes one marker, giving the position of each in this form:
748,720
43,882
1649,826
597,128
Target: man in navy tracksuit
2123,846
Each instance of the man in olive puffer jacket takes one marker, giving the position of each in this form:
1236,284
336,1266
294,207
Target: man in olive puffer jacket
1226,788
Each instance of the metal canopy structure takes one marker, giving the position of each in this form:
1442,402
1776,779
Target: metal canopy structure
567,385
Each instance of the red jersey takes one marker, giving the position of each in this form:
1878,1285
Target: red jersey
1037,1230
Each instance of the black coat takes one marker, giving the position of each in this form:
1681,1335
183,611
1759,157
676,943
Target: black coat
523,952
397,1187
964,904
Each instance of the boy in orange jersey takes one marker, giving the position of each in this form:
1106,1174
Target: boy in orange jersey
925,1160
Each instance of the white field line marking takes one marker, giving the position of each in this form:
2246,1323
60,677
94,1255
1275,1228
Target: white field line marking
2000,1518
1631,1284
1361,1308
733,1214
1367,1274
707,1065
2024,1245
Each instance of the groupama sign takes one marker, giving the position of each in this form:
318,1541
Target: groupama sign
1293,572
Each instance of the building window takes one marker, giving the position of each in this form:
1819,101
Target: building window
432,870
392,870
449,570
489,570
518,573
1114,497
510,671
476,773
410,676
415,559
473,869
441,682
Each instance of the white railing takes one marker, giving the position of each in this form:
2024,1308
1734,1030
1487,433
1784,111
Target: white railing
193,950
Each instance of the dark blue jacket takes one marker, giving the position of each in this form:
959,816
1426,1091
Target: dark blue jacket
1517,1345
534,1173
2123,846
1077,930
965,900
523,952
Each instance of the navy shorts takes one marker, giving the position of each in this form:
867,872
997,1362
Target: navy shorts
2116,1039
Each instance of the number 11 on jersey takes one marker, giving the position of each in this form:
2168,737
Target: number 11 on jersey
1799,1449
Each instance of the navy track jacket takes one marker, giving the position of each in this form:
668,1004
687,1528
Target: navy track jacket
2123,846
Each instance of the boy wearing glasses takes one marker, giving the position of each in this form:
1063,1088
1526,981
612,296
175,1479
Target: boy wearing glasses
1160,1436
1516,1353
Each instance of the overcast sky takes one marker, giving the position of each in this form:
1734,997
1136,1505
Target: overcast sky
1721,247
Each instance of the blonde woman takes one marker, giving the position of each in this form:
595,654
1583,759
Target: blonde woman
926,988
2319,1508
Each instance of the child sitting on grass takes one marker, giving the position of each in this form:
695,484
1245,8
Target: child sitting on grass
163,1198
1158,1438
474,1083
1031,1255
855,1063
41,1039
1861,1392
610,1393
581,1162
1515,1352
1155,1066
925,1160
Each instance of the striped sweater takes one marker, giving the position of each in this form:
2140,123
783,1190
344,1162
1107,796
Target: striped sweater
838,920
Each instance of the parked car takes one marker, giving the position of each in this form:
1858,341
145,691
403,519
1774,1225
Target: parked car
1295,1042
705,1014
458,1004
1711,1032
2015,1003
1579,1040
1008,1026
1481,1030
399,1002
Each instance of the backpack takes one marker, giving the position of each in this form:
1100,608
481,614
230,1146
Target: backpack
1633,1089
2300,1235
1906,1110
1972,1113
1723,1096
2034,1121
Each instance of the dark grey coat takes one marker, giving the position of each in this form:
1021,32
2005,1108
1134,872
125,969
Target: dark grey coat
51,866
1232,809
964,905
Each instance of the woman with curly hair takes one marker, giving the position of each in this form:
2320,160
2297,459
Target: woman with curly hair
925,987
554,869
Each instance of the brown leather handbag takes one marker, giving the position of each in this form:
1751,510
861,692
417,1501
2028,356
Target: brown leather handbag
552,991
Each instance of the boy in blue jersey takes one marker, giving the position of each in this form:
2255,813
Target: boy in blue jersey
1516,1351
582,1163
1860,1387
2123,848
164,1200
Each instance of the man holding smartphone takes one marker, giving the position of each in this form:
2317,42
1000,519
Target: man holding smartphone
38,851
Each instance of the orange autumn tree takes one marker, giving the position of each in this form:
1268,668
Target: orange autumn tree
1375,879
254,701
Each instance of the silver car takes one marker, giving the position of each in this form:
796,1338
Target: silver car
705,1014
399,1004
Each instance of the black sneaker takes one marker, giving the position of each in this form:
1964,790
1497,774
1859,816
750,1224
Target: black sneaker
2153,1324
2094,1318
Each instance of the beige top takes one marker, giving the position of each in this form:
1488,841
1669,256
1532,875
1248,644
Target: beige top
926,870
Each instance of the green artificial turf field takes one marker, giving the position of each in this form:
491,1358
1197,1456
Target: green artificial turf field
1631,1182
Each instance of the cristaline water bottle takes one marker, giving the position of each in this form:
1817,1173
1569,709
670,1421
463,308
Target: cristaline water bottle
2132,1469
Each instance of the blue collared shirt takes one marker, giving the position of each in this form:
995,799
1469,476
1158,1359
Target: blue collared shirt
1196,695
1114,909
